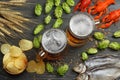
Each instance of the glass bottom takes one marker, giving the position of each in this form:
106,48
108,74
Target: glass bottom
49,56
73,41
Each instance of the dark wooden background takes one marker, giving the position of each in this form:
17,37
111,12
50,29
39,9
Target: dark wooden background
73,54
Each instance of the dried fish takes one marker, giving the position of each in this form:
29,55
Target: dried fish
81,68
82,77
107,59
105,74
100,67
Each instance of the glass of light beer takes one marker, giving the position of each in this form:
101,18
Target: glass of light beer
53,42
80,28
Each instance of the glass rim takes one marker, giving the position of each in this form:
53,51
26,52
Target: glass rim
59,50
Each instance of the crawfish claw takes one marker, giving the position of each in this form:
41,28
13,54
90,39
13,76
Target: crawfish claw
91,9
107,25
103,26
105,18
97,17
77,7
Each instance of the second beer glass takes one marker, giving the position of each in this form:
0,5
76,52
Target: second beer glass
80,28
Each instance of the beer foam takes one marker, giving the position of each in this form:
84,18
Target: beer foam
81,25
54,41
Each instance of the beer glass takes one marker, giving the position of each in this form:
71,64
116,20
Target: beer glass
54,42
80,28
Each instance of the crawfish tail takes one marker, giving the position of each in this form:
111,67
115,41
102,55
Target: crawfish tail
77,7
104,26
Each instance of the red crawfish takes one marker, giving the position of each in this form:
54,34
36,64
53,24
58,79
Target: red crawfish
100,7
82,5
110,18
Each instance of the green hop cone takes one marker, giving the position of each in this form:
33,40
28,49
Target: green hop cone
38,9
117,34
47,19
49,68
58,12
103,44
70,2
99,35
38,29
48,6
57,2
66,7
36,42
84,56
58,23
114,45
92,51
62,69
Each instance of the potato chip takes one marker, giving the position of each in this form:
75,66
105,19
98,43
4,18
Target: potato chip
25,44
20,63
5,48
14,65
6,59
24,58
11,68
31,67
15,51
40,68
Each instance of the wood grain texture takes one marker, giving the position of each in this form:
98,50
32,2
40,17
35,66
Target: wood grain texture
73,54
